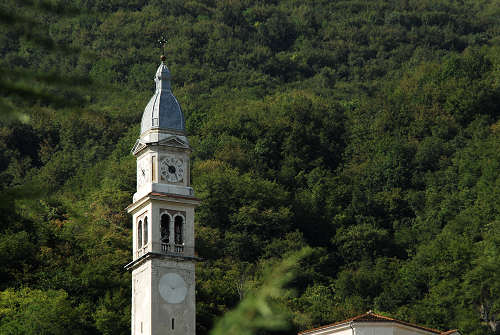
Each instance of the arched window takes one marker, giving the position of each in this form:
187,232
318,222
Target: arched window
178,222
139,235
145,230
165,228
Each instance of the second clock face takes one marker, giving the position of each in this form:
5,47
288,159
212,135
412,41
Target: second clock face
172,169
142,172
172,288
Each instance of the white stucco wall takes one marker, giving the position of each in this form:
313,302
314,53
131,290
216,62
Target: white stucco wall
163,312
373,329
141,299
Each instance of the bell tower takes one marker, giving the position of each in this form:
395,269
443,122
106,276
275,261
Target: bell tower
163,265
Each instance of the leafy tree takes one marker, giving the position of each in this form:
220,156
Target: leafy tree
28,311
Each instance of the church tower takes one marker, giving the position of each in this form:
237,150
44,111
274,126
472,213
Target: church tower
163,281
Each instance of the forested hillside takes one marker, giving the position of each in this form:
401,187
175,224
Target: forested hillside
368,130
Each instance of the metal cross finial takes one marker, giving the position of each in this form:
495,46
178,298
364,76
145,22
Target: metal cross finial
162,41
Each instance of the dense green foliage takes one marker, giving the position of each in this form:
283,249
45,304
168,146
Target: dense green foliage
366,130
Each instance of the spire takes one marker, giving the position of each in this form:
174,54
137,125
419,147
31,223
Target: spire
162,78
163,112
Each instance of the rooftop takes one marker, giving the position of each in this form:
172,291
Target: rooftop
163,112
373,317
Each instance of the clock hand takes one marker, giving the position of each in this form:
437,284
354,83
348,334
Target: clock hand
166,290
171,285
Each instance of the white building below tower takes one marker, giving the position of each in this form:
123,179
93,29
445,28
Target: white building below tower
374,324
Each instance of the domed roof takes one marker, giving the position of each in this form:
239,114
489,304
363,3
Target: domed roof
163,111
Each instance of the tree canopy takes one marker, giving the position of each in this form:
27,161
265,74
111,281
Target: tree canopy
366,131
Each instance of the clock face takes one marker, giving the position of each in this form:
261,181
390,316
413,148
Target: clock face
142,172
172,169
172,288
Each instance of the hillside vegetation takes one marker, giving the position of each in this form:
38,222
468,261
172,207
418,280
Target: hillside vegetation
367,130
